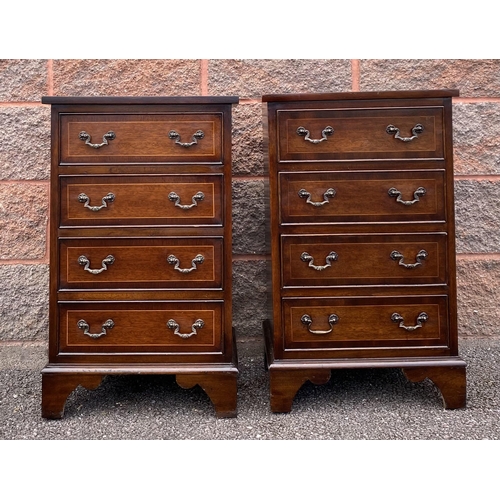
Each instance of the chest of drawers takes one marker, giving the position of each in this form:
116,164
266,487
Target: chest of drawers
140,245
362,239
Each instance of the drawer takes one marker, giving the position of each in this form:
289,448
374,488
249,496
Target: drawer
323,197
375,259
140,327
140,138
162,200
342,134
365,322
141,263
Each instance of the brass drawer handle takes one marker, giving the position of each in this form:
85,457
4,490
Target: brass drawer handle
332,256
83,325
416,195
333,319
326,131
417,129
85,136
199,134
421,318
422,255
173,196
83,198
199,323
83,261
329,193
172,259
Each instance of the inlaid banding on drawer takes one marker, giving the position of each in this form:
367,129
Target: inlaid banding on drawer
336,134
142,327
141,138
141,263
365,322
142,200
379,259
323,197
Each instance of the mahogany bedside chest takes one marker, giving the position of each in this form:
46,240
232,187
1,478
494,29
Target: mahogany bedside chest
140,245
362,239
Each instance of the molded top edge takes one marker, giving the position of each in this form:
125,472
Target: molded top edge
140,99
339,96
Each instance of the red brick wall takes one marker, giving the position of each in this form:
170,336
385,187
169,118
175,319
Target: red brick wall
25,163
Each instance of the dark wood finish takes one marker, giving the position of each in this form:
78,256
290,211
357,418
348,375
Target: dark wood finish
142,312
56,387
360,197
141,263
449,380
299,99
135,100
221,388
286,383
140,327
363,259
141,138
359,134
142,200
376,299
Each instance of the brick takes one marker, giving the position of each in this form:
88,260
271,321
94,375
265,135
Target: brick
473,77
477,213
23,220
248,217
251,78
23,79
478,297
25,309
25,144
139,77
250,280
476,138
248,153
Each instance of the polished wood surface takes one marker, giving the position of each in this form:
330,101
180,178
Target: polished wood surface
56,387
362,238
141,138
301,99
451,382
140,327
161,200
140,245
359,134
363,259
156,101
360,197
364,324
141,263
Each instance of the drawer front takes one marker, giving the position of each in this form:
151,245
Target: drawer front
323,261
141,263
165,200
323,197
365,322
337,134
148,138
140,327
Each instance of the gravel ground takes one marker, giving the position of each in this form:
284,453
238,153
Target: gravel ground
364,433
370,404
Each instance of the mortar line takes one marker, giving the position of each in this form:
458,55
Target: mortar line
355,74
478,256
50,77
472,177
6,182
204,76
253,257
